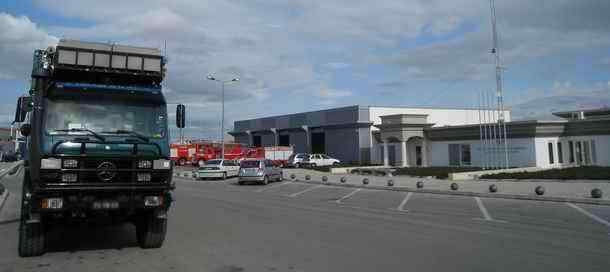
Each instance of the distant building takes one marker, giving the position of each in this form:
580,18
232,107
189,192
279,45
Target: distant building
412,136
6,141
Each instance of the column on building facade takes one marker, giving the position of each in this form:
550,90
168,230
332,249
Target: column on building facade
276,136
424,152
308,138
403,152
386,157
250,138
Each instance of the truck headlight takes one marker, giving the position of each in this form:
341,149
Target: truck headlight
50,163
145,164
153,201
52,203
144,177
70,163
162,164
69,177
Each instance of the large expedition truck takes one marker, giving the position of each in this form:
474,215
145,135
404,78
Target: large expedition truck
97,142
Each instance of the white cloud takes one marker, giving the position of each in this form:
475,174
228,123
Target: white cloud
278,46
18,38
337,65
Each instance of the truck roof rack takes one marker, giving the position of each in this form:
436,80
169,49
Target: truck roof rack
71,56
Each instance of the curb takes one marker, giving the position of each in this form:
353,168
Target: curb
11,170
3,199
486,195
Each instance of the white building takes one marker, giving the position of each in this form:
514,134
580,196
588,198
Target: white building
410,136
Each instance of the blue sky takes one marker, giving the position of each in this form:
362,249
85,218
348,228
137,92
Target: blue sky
299,55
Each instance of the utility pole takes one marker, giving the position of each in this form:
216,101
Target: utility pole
499,92
222,118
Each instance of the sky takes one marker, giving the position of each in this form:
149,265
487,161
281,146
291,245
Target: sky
302,55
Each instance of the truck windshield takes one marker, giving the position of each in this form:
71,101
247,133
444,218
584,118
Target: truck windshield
63,116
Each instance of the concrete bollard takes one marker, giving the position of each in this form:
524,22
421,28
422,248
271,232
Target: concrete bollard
493,188
419,184
324,178
454,186
343,179
596,193
390,183
293,176
365,181
539,190
307,177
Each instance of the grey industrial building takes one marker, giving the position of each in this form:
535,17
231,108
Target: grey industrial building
418,136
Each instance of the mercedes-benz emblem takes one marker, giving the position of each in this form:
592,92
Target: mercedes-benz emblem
106,171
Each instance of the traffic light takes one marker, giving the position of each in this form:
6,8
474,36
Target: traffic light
180,115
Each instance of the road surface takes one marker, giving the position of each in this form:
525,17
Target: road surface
223,227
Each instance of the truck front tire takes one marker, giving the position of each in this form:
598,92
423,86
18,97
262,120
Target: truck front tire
150,231
31,239
31,235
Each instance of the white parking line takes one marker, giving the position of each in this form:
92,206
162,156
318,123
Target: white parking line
401,207
274,186
590,215
484,211
305,191
348,195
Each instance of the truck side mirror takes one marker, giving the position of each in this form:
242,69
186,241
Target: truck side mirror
24,105
25,130
180,115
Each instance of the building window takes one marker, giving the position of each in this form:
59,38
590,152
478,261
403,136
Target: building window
257,141
551,160
459,155
454,154
284,140
593,152
571,147
465,158
559,153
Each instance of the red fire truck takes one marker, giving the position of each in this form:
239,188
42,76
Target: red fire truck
193,152
196,153
278,154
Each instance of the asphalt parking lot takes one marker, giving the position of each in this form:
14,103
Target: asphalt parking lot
219,225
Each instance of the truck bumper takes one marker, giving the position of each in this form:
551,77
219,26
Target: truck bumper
89,202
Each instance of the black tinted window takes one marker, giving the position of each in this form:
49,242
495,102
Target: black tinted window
249,164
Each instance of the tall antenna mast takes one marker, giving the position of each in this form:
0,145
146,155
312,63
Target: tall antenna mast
499,94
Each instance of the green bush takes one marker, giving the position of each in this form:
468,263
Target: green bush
582,172
438,172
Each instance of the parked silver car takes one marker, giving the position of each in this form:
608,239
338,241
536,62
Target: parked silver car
261,171
296,160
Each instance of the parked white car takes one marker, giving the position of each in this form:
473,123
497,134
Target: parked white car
320,160
218,169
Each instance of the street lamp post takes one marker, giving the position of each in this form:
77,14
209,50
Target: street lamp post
222,118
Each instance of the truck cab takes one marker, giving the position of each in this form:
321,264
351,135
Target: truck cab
95,121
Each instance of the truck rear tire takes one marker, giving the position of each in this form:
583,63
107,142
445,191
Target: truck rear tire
150,231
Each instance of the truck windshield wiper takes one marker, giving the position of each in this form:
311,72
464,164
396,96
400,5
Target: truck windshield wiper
130,133
93,133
